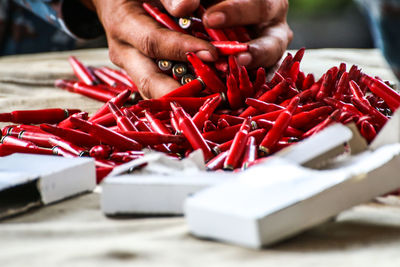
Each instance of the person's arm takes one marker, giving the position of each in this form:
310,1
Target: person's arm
75,17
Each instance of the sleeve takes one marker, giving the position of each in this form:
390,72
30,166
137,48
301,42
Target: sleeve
71,16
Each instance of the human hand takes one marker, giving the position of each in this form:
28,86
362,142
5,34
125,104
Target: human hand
135,39
268,18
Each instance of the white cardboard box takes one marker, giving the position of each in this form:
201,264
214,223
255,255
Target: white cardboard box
28,180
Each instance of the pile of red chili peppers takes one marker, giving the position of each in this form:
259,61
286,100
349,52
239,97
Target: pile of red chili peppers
235,120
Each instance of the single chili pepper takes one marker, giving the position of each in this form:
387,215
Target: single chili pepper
306,118
191,132
174,123
8,149
105,135
306,94
222,66
40,139
257,134
238,146
82,72
261,79
391,97
231,34
14,130
155,124
217,163
187,78
123,123
233,93
68,146
118,101
162,18
121,77
299,55
205,111
245,85
178,70
165,66
188,103
342,106
300,80
250,154
11,140
309,106
269,96
221,136
86,90
281,124
282,70
67,123
271,116
59,151
188,90
154,138
222,124
233,66
209,126
353,72
242,34
74,136
342,86
308,81
208,76
334,117
105,78
368,131
262,106
294,72
52,115
290,131
326,87
232,120
227,48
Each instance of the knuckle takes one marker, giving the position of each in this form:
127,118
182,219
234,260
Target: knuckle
144,86
114,56
149,46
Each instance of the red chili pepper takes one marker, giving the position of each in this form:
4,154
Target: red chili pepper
368,131
86,90
227,48
308,81
269,96
281,124
223,135
51,115
162,18
391,97
123,123
175,124
283,70
326,86
334,117
246,87
155,124
300,80
233,93
11,140
233,66
107,136
126,156
209,126
222,124
306,119
257,134
299,55
238,146
154,138
82,72
121,77
294,72
250,154
342,86
40,139
290,131
59,151
342,106
190,89
8,149
209,77
191,132
118,101
68,146
217,163
74,136
205,111
102,76
67,123
262,106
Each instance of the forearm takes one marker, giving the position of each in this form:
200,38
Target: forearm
75,17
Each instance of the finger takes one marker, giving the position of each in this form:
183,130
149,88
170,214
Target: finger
152,83
180,8
269,48
232,13
141,31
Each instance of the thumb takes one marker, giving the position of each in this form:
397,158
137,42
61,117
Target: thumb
180,8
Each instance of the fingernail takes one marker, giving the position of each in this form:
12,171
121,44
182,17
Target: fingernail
244,59
205,55
216,18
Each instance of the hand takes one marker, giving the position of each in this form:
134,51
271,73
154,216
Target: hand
268,17
135,39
